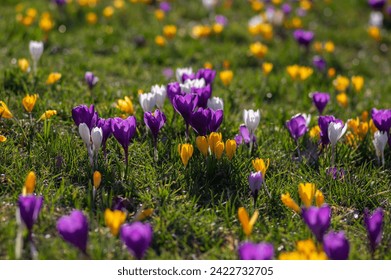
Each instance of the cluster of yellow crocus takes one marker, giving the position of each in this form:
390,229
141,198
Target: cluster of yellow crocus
47,115
246,222
125,105
29,102
307,193
258,50
327,47
169,31
226,77
214,145
53,78
28,18
4,111
299,73
263,29
294,23
261,165
358,129
201,31
305,250
186,152
29,184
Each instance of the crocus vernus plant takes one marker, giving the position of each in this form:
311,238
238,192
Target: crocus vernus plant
335,132
317,219
137,237
380,142
303,37
297,127
36,50
320,100
155,121
374,226
256,251
336,246
91,80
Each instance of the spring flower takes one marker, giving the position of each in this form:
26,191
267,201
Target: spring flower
290,203
114,220
374,32
185,152
258,50
216,118
219,149
202,145
305,250
255,181
200,119
105,126
213,139
319,63
256,251
181,71
297,126
342,99
299,73
209,4
377,4
374,226
307,193
74,229
29,207
108,12
185,105
169,31
137,237
319,198
84,114
4,111
260,165
160,92
36,50
53,78
91,18
155,121
380,142
230,148
335,132
90,79
381,119
315,132
246,222
226,77
29,102
244,136
303,37
358,83
317,220
336,246
24,65
125,105
215,103
124,130
46,22
160,41
3,138
267,67
147,101
159,14
97,178
323,122
47,115
341,83
251,119
29,184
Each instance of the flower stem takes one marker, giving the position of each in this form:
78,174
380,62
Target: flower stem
298,149
155,151
333,155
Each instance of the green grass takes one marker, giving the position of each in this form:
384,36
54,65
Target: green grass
195,207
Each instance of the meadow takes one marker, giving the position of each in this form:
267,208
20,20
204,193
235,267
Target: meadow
192,199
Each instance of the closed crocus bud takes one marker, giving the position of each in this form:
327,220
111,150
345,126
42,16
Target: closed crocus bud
303,37
160,93
261,165
137,237
90,79
147,101
84,132
219,149
297,126
307,193
319,198
230,148
374,226
53,78
155,121
74,229
320,100
380,142
202,145
358,83
4,111
36,50
256,251
336,246
29,208
29,183
290,203
317,220
185,152
213,138
215,103
29,102
114,220
255,181
97,178
245,221
335,132
251,119
47,115
216,119
96,136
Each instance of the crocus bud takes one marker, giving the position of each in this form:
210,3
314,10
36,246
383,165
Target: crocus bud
29,102
219,149
147,101
29,184
84,132
307,193
255,181
160,93
336,246
319,198
36,50
260,165
97,178
230,148
245,221
90,79
213,138
251,119
180,71
137,237
185,152
380,142
202,145
96,136
114,220
335,132
290,203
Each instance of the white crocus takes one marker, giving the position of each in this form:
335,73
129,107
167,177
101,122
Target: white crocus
84,132
189,84
209,4
251,119
96,136
180,71
380,142
147,101
376,19
307,119
335,132
92,140
215,103
255,21
160,93
36,50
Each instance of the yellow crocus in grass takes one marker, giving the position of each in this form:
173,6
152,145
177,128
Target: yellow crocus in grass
266,31
46,23
315,132
261,165
358,128
119,4
169,31
374,33
305,5
213,138
256,6
230,148
143,214
341,83
296,23
319,198
202,145
318,46
258,50
29,183
4,111
186,152
293,71
358,83
160,41
290,203
3,138
29,102
97,179
364,116
331,72
226,77
114,220
208,65
47,115
305,250
24,65
91,18
217,28
125,105
329,47
219,149
372,126
351,140
159,14
53,78
267,68
246,222
307,193
305,72
342,99
108,12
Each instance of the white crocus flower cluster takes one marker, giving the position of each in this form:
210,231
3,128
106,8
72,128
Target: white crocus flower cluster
92,140
156,97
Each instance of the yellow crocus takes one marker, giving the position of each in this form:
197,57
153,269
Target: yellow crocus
331,72
230,148
219,149
29,102
319,198
53,78
202,145
159,14
258,50
341,83
3,138
246,222
256,6
266,31
315,132
217,28
186,152
208,65
4,111
143,214
329,47
91,18
114,220
108,12
372,126
317,46
305,250
29,183
358,83
160,41
125,105
342,99
267,68
97,179
47,115
364,116
374,32
261,165
290,203
293,71
306,193
296,23
226,77
23,65
305,72
169,31
46,23
351,140
213,138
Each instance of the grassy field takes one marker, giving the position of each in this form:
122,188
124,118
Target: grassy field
195,207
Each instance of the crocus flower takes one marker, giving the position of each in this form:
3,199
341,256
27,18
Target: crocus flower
185,106
320,100
261,165
165,6
124,130
216,119
307,193
202,145
208,75
47,115
297,126
230,148
2,138
29,183
59,2
218,149
53,78
335,172
215,103
203,93
256,251
137,237
317,219
180,71
4,111
336,246
168,73
29,102
74,229
335,131
90,79
319,63
303,37
147,101
200,119
24,65
160,93
244,136
323,122
209,4
377,4
245,221
380,141
255,181
36,50
251,119
226,77
222,20
29,208
114,220
105,126
173,89
185,151
213,139
382,119
374,226
290,203
286,9
125,105
155,121
83,114
96,138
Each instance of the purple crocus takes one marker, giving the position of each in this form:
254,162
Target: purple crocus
168,73
74,229
203,94
256,251
317,219
124,130
59,2
303,37
319,63
200,120
105,125
216,119
244,136
137,237
173,89
29,208
374,225
382,119
297,126
255,180
222,20
91,79
320,100
155,121
83,114
377,4
185,105
286,9
207,74
165,6
323,122
336,173
336,246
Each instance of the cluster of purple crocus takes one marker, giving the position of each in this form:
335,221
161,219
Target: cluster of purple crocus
189,97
